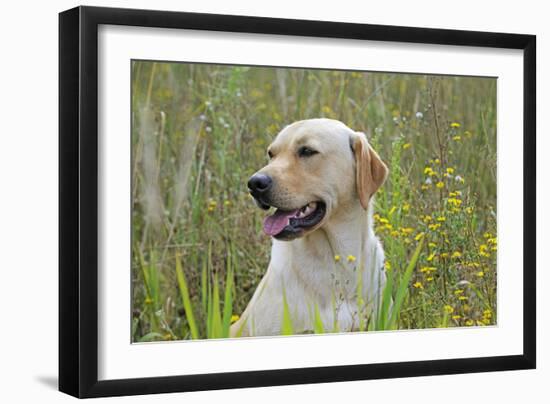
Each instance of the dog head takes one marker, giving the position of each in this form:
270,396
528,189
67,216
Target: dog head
317,167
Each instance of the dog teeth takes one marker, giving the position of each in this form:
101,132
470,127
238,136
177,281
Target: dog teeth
306,210
310,208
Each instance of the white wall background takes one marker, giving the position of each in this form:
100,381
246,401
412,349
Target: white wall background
28,202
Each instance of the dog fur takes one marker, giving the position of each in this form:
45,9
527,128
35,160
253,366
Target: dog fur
344,174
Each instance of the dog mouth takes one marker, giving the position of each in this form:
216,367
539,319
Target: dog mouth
290,224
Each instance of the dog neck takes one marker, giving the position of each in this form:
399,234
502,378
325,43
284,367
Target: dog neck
327,264
342,242
349,231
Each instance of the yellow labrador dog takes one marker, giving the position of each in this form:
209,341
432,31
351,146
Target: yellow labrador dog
320,179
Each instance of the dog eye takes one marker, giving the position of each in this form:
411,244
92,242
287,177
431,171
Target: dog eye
270,154
305,151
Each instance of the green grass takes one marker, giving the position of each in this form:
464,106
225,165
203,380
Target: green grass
198,133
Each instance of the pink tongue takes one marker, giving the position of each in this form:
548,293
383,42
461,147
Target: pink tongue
275,223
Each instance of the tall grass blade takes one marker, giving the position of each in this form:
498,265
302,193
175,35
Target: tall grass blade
228,301
385,306
445,321
287,328
204,287
318,323
217,327
187,306
404,286
154,281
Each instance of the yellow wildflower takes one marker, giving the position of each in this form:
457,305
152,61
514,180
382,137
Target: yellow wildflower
450,170
406,207
337,258
462,298
469,322
234,317
406,230
480,274
428,269
441,218
448,309
430,257
454,201
445,255
456,254
455,125
418,285
351,258
456,138
432,245
456,317
419,236
406,146
437,161
431,278
440,184
483,248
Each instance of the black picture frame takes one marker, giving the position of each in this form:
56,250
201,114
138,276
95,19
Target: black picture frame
78,200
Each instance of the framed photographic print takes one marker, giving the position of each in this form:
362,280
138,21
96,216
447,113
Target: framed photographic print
251,201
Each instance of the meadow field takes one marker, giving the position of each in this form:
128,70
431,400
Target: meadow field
198,133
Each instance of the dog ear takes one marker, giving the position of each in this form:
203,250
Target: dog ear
370,170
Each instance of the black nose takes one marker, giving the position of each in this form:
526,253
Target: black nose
259,183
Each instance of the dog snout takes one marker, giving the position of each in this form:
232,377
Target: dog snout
259,184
